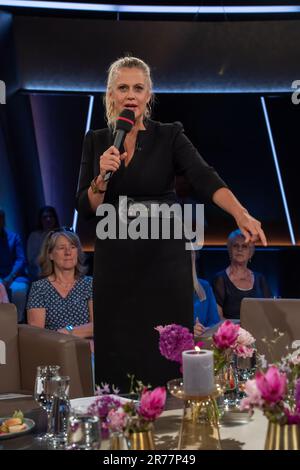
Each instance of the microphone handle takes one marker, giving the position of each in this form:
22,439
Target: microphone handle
118,143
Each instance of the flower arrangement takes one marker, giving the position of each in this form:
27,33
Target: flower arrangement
118,415
229,338
275,389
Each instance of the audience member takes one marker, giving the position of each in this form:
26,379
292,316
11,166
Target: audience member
47,221
62,299
12,267
237,281
205,305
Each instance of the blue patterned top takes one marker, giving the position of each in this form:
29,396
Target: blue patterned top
62,311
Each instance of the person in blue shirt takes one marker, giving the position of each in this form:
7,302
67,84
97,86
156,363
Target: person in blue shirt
205,306
13,267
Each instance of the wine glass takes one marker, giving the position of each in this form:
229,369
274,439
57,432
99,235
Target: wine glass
46,385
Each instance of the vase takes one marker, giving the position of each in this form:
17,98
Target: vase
118,441
142,440
283,437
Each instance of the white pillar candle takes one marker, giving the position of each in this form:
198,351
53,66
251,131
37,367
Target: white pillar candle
198,372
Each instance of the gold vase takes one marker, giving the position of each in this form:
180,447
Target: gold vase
143,440
283,437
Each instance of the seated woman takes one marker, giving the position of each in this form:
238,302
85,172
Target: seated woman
237,281
205,305
62,299
47,221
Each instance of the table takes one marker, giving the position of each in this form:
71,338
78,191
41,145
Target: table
250,436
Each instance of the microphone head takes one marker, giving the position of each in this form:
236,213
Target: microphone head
125,121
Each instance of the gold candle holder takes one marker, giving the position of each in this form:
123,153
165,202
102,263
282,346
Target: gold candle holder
199,428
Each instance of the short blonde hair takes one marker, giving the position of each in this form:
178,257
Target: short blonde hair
130,63
47,265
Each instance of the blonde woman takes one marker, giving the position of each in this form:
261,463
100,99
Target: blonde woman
62,299
142,282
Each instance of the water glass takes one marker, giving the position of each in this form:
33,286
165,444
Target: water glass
60,411
84,432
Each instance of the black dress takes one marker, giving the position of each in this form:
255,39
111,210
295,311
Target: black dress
139,284
229,297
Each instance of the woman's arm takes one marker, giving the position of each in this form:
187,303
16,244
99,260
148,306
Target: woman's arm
250,227
36,317
83,331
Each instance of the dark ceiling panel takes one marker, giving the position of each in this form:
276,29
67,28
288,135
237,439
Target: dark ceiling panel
74,54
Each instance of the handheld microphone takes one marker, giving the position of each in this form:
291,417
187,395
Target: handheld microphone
124,124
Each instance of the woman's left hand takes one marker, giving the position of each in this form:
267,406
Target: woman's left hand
251,228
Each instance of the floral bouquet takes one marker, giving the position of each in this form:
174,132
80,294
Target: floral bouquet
276,389
127,417
229,338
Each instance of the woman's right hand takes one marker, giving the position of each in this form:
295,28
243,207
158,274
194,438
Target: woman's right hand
110,160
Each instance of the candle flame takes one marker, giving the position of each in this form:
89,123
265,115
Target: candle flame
197,348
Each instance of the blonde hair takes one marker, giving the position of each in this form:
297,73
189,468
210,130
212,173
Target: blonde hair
47,265
130,63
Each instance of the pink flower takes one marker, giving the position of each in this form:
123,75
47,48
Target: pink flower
245,338
243,351
272,384
253,398
152,403
226,335
117,419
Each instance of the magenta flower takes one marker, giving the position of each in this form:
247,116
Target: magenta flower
173,340
226,335
272,384
152,403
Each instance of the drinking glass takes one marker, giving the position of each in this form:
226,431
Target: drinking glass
83,432
45,387
59,413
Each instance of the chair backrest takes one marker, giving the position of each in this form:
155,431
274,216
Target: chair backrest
9,354
39,346
261,316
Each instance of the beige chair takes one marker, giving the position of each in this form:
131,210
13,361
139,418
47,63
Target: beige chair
261,316
23,348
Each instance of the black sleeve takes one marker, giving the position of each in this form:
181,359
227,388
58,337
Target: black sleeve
218,286
203,178
85,177
265,287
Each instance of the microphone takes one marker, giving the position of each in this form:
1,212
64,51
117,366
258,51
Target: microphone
125,123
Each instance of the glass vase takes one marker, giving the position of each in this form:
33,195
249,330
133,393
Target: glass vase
282,437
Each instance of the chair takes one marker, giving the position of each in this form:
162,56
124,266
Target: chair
23,348
261,316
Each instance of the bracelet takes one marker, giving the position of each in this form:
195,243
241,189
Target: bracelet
95,188
69,329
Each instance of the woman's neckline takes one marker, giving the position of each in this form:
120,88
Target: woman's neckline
241,288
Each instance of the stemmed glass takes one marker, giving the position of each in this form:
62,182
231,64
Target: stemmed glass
46,385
